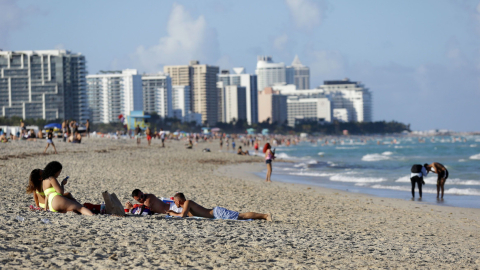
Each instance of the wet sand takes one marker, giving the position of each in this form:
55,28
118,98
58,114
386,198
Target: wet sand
312,228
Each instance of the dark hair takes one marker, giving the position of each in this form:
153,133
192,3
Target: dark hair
180,196
136,192
51,169
35,181
425,165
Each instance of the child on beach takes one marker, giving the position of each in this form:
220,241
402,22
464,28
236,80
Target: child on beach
191,208
50,141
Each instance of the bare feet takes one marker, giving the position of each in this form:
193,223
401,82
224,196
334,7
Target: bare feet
269,217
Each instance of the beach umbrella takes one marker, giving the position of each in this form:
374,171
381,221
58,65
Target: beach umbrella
53,125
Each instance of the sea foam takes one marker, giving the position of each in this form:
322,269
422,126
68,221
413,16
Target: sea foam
343,178
377,157
477,156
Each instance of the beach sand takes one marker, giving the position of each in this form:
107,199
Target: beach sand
312,228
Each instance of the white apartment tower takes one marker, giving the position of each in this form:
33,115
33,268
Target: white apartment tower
202,80
43,84
234,103
350,101
157,94
249,81
112,93
181,101
269,73
352,96
298,74
308,109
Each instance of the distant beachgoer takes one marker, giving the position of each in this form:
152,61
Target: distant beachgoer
442,174
50,142
233,144
269,156
417,173
240,152
226,143
221,143
255,146
137,134
22,125
87,126
162,136
190,144
148,132
55,194
152,202
191,208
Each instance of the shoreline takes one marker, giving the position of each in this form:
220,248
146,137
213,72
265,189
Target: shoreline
251,171
312,228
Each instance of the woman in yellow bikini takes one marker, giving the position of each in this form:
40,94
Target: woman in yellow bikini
35,187
54,192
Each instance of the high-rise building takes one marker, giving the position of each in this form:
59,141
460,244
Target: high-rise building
202,80
112,93
157,94
308,109
272,106
352,96
43,84
269,73
343,94
234,103
221,101
181,101
240,78
298,74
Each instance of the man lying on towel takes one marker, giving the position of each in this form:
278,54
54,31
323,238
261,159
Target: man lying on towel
191,208
152,202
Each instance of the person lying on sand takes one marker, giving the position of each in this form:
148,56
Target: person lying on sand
152,202
191,208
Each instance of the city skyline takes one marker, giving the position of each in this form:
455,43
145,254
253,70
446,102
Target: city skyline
420,59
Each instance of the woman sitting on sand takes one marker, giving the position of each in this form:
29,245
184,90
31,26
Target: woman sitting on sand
54,192
35,187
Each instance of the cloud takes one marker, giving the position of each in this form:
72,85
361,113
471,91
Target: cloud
306,14
187,39
12,18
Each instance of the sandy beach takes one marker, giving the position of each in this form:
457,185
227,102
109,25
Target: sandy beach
312,228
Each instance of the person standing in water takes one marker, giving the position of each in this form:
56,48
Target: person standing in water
269,156
416,176
442,174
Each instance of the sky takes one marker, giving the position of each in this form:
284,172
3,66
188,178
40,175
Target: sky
420,59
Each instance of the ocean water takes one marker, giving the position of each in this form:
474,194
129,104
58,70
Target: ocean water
383,170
